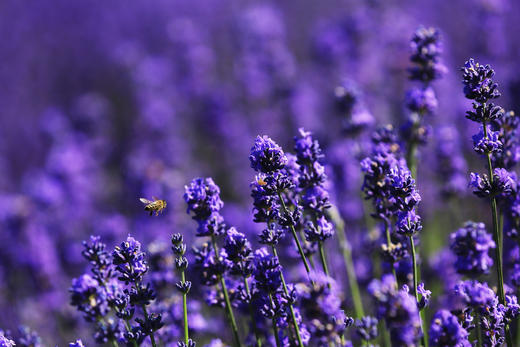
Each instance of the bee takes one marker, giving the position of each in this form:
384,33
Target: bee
156,205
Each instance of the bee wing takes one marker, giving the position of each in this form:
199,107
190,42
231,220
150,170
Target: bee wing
155,198
145,201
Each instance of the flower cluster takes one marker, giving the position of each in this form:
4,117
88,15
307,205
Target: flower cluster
202,196
471,245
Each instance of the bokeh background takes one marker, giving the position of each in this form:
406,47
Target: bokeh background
103,102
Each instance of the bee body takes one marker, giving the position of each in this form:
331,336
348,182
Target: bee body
157,205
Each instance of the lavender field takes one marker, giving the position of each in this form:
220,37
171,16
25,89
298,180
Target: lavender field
259,173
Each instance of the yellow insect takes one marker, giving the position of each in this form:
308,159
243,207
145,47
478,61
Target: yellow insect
157,205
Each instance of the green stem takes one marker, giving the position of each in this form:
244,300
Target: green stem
385,336
185,310
415,279
349,264
229,309
252,312
293,315
323,259
295,236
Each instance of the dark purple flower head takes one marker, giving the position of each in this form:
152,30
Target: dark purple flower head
316,198
267,271
88,296
477,295
485,113
445,330
203,197
271,235
319,231
366,328
408,223
239,252
503,184
307,149
478,83
386,140
483,144
426,50
266,156
130,261
421,100
471,245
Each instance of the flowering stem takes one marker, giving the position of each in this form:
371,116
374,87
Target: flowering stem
275,327
349,264
129,329
415,279
229,309
252,312
295,236
152,336
497,236
185,310
293,315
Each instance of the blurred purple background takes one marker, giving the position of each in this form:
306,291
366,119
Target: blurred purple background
103,102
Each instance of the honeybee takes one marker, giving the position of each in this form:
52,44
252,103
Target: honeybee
157,205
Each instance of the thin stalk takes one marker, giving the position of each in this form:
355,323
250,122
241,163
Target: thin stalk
252,312
229,309
185,310
295,236
293,315
415,279
389,243
275,327
323,259
349,264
